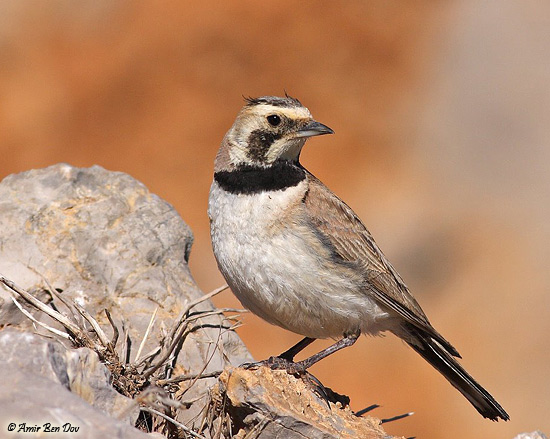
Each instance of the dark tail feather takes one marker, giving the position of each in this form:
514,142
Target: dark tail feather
436,355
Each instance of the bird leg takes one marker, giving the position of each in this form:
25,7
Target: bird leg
303,365
298,347
285,361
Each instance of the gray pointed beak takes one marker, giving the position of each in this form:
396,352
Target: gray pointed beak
314,128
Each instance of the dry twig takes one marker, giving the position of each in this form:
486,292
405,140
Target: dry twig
30,316
74,331
149,326
179,330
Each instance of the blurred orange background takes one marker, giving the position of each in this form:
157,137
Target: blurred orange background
442,146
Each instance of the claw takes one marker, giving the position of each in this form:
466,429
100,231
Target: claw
274,363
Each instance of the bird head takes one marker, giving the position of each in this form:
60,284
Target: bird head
268,129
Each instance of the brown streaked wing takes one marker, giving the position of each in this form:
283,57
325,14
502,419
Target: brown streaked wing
353,242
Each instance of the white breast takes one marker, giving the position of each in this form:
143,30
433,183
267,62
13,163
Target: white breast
272,263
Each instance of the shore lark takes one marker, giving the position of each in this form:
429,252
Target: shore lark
300,258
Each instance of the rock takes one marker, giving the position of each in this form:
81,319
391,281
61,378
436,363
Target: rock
46,383
76,370
106,242
533,435
279,405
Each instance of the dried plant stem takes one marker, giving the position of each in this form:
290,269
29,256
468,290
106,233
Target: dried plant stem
180,329
149,326
97,329
14,289
188,377
115,329
54,293
173,421
191,305
30,316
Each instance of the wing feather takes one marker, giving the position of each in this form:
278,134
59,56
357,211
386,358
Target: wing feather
347,235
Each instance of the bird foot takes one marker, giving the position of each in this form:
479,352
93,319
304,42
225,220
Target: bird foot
277,363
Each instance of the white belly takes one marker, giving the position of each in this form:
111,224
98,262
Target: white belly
271,267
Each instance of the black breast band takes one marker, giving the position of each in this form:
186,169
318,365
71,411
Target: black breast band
247,179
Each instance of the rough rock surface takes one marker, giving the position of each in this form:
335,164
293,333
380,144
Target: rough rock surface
107,242
533,435
47,384
275,404
104,240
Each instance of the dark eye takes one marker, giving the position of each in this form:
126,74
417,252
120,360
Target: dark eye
273,120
